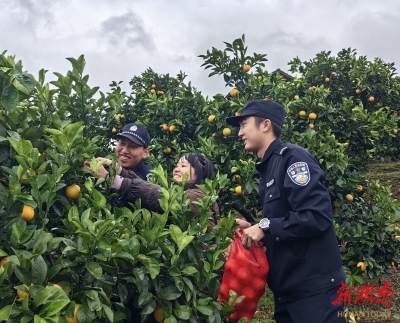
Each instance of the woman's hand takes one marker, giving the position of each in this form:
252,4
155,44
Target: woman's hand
243,224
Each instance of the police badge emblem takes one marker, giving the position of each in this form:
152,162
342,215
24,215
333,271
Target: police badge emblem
299,173
133,128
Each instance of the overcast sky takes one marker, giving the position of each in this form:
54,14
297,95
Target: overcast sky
121,38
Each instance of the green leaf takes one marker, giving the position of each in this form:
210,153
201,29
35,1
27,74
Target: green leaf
174,272
85,315
151,265
42,297
39,271
56,306
176,233
185,242
26,80
5,312
189,270
38,319
17,230
169,293
2,253
95,269
109,313
184,312
99,198
10,97
145,297
206,310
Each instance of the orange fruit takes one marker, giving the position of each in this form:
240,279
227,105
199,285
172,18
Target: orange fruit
359,188
302,113
340,89
211,118
358,91
312,116
362,266
336,204
160,92
394,131
4,261
311,125
168,150
114,130
237,114
238,190
310,88
158,314
214,134
349,197
153,86
172,128
152,91
28,213
379,104
333,73
73,192
165,127
236,176
233,92
259,78
22,294
246,68
371,98
226,131
75,318
327,79
244,275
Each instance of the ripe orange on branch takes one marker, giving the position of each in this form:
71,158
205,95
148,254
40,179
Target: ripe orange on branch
246,68
28,213
233,92
73,192
226,131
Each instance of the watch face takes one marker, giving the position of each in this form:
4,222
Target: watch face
264,223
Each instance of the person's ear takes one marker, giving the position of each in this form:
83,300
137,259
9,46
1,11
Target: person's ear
146,152
266,125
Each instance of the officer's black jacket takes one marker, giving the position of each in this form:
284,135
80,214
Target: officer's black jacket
302,248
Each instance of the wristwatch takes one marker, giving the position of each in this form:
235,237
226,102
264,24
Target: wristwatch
264,225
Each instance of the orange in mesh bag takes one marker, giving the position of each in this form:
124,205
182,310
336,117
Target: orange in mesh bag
246,273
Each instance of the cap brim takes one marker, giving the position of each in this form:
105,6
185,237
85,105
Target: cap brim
234,121
131,138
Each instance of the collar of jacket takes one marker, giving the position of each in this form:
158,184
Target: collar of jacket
189,185
268,154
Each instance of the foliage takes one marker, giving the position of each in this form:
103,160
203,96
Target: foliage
104,257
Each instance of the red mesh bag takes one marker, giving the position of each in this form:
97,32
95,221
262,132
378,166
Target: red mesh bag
246,273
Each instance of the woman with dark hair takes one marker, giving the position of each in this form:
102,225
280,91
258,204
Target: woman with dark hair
132,187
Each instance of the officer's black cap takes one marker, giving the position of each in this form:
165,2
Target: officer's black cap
136,133
261,108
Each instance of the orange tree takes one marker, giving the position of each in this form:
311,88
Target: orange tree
65,253
58,228
354,84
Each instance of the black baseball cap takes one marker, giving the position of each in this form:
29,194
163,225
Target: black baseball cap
261,108
135,132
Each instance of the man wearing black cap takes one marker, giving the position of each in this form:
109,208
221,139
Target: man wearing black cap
131,149
297,222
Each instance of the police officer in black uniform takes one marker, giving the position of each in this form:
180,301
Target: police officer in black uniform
297,223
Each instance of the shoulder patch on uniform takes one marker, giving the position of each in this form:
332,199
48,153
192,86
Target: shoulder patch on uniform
270,183
299,173
282,150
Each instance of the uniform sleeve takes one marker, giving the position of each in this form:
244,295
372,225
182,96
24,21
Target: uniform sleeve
308,198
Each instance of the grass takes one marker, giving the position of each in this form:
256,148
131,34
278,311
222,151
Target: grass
387,173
